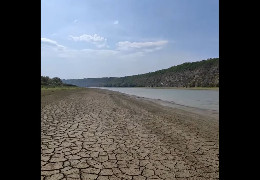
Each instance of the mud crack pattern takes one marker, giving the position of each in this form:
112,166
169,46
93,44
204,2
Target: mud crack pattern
97,134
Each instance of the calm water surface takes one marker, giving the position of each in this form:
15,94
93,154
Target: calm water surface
203,99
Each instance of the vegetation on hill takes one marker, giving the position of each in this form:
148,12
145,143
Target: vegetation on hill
53,82
203,73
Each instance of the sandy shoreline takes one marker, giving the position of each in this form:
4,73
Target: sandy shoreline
101,134
204,112
182,88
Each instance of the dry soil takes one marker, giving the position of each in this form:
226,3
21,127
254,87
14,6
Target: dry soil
100,134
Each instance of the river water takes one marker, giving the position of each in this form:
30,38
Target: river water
203,99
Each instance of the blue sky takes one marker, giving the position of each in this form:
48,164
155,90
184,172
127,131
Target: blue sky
104,38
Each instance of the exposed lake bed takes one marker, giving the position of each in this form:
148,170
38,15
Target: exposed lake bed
102,133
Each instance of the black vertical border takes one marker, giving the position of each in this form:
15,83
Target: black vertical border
21,104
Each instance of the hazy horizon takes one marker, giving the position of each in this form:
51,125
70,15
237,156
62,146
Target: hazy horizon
94,39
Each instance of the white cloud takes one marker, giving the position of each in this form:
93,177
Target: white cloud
124,50
89,38
51,49
95,39
141,46
116,22
50,43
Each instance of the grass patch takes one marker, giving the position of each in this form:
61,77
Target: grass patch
52,94
53,88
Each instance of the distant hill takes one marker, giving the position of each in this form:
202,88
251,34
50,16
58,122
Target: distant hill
90,82
203,73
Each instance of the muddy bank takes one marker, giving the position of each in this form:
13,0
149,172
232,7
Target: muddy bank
210,114
100,134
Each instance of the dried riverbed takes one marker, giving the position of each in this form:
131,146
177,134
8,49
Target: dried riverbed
100,134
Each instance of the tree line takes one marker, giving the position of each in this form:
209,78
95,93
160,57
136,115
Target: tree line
46,81
203,73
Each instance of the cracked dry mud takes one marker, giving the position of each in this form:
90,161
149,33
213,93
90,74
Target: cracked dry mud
99,134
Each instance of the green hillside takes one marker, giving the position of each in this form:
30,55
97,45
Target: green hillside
203,73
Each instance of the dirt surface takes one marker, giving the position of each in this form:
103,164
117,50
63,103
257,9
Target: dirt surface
100,134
